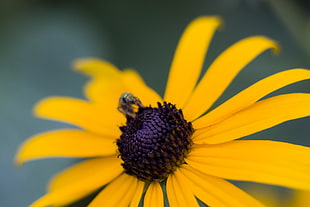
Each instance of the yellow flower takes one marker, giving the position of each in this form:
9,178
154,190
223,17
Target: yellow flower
151,143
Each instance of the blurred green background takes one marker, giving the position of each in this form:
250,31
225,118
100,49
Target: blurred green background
40,39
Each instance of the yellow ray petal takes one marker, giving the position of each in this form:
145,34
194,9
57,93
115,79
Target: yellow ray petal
267,194
65,143
269,162
89,116
215,191
179,192
154,196
105,92
118,193
250,95
105,168
136,86
188,59
137,195
300,199
222,71
95,67
259,116
87,177
106,84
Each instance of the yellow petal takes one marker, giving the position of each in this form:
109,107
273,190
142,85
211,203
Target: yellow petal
105,86
257,117
95,67
215,191
222,71
108,83
154,196
65,143
138,88
301,199
137,195
105,92
79,181
94,118
269,162
267,194
188,59
179,192
250,95
118,193
105,169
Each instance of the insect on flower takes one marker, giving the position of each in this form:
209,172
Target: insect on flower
176,149
127,104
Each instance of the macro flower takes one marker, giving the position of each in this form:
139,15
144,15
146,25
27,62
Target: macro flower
140,146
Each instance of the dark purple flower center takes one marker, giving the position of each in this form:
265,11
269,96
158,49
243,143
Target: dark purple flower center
154,142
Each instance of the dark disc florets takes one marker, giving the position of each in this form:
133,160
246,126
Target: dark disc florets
154,142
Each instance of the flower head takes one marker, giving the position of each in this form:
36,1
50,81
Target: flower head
137,142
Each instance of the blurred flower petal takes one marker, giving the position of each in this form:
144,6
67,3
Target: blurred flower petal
257,117
80,113
222,71
215,191
118,193
268,162
65,143
179,192
188,59
73,184
154,196
250,95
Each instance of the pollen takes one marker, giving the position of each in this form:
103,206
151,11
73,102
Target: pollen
154,142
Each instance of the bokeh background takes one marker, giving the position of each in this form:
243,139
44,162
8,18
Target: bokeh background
40,39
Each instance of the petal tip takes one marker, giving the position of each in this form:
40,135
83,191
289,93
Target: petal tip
274,45
276,49
216,20
266,42
37,110
94,67
19,160
81,63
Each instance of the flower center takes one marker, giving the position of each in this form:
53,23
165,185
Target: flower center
154,141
